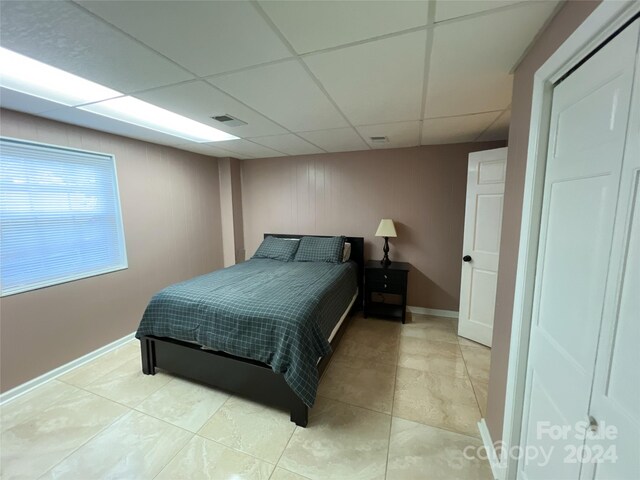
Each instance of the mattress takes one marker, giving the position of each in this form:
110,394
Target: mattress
279,313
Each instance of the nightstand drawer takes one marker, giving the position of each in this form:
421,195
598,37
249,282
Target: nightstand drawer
386,276
382,286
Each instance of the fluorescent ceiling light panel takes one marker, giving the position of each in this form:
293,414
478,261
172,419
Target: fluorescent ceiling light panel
23,74
137,112
32,77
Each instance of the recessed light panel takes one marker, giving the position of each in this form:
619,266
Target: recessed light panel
132,110
31,77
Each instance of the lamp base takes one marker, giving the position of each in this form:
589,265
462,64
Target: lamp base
385,260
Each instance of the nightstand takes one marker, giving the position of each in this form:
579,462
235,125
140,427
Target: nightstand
385,289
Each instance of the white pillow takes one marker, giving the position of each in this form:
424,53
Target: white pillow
346,252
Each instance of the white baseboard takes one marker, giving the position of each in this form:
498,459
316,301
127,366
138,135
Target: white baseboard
492,456
432,311
36,382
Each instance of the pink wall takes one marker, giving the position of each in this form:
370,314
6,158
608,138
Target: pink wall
565,22
171,213
422,189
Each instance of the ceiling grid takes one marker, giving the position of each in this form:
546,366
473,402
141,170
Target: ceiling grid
362,69
301,62
431,17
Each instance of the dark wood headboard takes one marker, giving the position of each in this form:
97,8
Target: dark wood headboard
357,255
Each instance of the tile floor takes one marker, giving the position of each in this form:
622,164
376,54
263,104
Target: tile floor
396,402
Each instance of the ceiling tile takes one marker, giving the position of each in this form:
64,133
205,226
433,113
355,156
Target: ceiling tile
336,139
200,101
466,128
207,149
205,37
64,35
499,130
285,93
401,134
311,26
448,9
375,82
249,149
289,144
471,59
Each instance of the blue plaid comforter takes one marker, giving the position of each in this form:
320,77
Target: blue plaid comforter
279,313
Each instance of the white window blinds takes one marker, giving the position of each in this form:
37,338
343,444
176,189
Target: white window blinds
59,216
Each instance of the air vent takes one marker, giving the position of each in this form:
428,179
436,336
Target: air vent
379,139
228,120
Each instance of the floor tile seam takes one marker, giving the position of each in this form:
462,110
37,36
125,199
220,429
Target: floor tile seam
466,366
417,327
366,359
135,409
229,397
360,341
284,450
286,470
473,388
393,399
447,356
341,360
482,348
434,344
91,363
130,407
452,342
438,427
58,402
344,402
446,375
234,449
451,375
33,414
206,422
92,437
85,387
174,455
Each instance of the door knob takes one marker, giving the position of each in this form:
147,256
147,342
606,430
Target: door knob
466,258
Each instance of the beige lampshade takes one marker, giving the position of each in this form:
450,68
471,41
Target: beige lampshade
386,228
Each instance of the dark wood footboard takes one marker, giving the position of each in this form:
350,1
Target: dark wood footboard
241,376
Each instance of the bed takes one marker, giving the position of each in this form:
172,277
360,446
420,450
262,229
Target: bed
263,329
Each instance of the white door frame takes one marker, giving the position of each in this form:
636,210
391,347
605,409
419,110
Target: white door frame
608,17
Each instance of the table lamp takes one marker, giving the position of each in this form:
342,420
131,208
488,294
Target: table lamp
386,229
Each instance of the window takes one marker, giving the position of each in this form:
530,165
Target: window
59,216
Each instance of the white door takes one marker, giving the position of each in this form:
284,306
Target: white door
481,245
615,397
589,120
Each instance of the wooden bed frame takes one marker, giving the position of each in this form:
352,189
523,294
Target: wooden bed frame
247,378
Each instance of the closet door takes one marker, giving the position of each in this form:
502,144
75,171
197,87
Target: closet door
614,448
589,118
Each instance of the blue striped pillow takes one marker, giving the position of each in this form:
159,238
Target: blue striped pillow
277,249
318,249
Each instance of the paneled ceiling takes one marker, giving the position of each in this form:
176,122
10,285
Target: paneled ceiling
306,76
